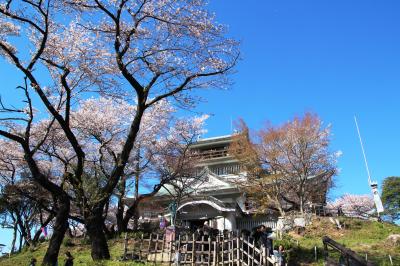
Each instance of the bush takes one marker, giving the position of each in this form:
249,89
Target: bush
136,235
67,242
84,241
287,242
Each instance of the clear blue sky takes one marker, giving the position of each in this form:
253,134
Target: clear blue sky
336,58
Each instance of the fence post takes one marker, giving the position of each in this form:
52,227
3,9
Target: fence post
155,250
140,247
238,250
170,255
230,250
215,259
202,250
209,250
266,256
148,248
315,253
125,245
223,250
162,248
253,252
248,251
233,242
241,249
193,250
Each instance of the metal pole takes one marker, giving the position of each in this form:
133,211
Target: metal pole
362,148
315,253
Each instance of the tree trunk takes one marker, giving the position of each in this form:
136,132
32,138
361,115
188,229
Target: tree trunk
25,234
36,237
21,238
120,213
129,214
133,210
301,206
94,228
59,229
14,239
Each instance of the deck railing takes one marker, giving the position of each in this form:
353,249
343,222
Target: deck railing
230,250
347,256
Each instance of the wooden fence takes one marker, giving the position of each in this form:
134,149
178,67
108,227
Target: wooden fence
347,256
194,250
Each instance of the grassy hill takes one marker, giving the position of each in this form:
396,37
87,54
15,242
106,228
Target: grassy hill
364,237
80,251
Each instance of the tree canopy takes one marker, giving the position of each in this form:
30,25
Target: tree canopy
391,197
136,53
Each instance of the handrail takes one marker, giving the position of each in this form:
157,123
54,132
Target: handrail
350,257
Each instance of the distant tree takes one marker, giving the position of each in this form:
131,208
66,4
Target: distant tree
287,165
354,205
391,197
263,188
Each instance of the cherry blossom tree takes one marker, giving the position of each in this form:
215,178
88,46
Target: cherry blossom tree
354,205
23,202
289,164
138,51
153,162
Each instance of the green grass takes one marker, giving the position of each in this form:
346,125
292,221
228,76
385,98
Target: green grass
80,252
363,237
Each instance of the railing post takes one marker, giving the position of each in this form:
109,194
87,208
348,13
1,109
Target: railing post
193,250
140,247
238,250
253,253
248,251
209,250
215,255
162,247
148,248
125,245
155,250
223,250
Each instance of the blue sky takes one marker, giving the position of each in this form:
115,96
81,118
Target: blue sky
336,58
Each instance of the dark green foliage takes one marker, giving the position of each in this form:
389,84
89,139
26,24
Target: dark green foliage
391,198
67,242
84,241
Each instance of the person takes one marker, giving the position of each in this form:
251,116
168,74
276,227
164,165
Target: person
281,256
33,262
256,234
266,238
69,261
177,257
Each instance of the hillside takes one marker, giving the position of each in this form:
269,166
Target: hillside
364,237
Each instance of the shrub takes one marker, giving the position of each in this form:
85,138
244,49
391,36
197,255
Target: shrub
67,242
84,241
